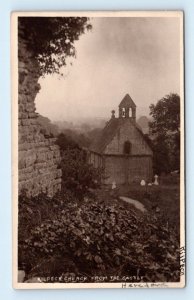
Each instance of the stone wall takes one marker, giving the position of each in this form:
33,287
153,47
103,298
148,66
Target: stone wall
128,132
129,169
39,156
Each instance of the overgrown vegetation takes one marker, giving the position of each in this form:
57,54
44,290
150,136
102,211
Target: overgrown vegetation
98,236
78,175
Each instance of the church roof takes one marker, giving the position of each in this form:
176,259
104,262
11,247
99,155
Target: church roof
127,102
106,136
109,132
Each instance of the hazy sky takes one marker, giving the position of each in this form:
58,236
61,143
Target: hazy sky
138,56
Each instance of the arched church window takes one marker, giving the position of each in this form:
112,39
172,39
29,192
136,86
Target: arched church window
130,112
127,148
123,112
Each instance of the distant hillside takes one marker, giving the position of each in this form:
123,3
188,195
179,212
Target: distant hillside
143,122
81,126
48,128
84,132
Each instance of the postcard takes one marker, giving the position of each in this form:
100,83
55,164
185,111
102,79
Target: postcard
98,149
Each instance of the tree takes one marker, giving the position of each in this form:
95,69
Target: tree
52,39
165,132
78,175
79,138
166,115
66,142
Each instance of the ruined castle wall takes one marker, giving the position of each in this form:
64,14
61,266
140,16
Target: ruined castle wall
39,156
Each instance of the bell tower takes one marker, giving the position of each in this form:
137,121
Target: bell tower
127,108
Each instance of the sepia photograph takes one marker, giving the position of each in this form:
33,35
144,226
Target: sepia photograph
98,149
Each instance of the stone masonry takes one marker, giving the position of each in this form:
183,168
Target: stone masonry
39,156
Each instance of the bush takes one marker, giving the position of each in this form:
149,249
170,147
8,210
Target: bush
97,239
78,175
32,213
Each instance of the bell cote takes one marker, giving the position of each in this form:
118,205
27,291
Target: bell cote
127,108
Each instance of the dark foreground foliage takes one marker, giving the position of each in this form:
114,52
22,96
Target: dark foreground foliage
92,237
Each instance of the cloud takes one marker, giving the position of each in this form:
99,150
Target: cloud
139,56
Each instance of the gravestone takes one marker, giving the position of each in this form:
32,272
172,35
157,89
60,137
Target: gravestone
156,180
142,183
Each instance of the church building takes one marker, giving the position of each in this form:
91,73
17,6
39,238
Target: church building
122,150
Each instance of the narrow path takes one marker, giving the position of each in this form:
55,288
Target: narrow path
136,203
